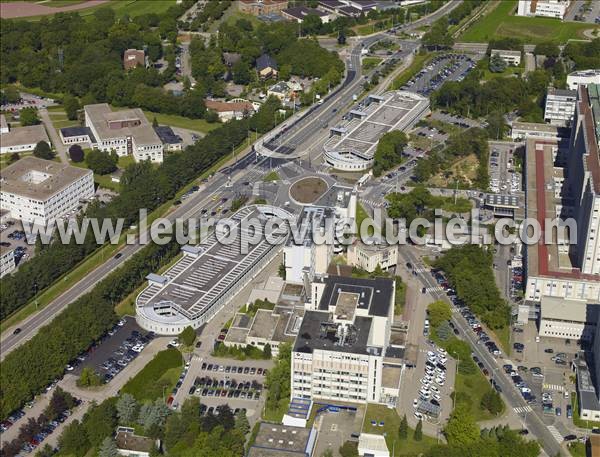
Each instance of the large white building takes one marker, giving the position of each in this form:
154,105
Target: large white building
20,139
210,274
340,350
544,8
369,256
583,78
7,261
508,56
127,132
36,190
568,319
352,145
560,106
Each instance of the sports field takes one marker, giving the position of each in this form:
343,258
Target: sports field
502,23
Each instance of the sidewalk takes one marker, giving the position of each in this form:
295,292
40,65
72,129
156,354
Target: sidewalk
60,148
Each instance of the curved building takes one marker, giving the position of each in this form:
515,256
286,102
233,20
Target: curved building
210,274
352,145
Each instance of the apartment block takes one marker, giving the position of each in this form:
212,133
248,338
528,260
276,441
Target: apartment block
7,261
560,106
543,8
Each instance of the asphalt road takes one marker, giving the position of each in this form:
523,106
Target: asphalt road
509,392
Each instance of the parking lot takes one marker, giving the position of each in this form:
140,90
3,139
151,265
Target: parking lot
28,101
447,67
504,179
12,236
121,345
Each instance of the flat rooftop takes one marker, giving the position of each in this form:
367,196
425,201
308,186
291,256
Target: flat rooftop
277,440
197,282
30,134
374,295
394,110
101,114
39,179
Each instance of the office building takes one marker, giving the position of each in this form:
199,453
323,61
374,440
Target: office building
568,319
352,144
170,140
37,190
299,13
20,139
275,440
341,345
582,78
131,445
560,106
509,57
587,395
521,131
375,253
209,275
7,261
544,8
596,355
127,132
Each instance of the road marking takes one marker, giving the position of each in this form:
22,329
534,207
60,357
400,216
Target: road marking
555,433
553,387
523,409
434,289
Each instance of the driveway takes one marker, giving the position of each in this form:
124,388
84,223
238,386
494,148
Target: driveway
61,149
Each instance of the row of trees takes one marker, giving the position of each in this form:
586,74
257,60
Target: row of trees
26,370
469,271
142,186
389,151
278,382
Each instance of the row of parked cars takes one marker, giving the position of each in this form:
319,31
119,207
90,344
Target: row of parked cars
234,369
483,337
432,382
125,353
446,67
230,388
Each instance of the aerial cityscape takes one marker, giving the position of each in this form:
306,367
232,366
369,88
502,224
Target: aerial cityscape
317,228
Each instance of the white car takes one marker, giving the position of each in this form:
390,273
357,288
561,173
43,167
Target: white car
440,381
440,372
434,389
442,351
70,368
436,397
138,348
443,360
424,391
415,403
418,415
430,354
425,382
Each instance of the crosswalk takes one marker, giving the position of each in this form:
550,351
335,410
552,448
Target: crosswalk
555,433
523,409
556,387
373,203
434,289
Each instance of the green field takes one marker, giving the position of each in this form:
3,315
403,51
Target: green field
369,63
157,379
391,422
198,125
501,23
132,8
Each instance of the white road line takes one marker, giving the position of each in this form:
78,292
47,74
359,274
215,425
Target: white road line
555,433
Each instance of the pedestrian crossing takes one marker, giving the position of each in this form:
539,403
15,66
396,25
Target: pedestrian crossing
555,433
373,203
556,387
523,409
434,289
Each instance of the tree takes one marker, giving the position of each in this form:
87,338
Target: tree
548,49
461,428
100,421
349,449
73,440
10,94
241,422
211,116
327,453
108,448
154,122
341,37
42,150
439,311
403,428
127,408
76,153
497,65
28,116
492,401
418,436
389,151
101,162
71,106
88,378
187,336
13,157
267,351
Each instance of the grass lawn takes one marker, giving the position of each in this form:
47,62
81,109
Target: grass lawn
199,125
233,17
132,8
503,337
501,23
578,421
157,378
464,170
59,3
577,449
368,63
391,422
60,122
484,66
361,215
469,389
271,176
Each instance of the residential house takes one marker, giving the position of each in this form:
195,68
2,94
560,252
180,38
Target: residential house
266,67
235,109
133,58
